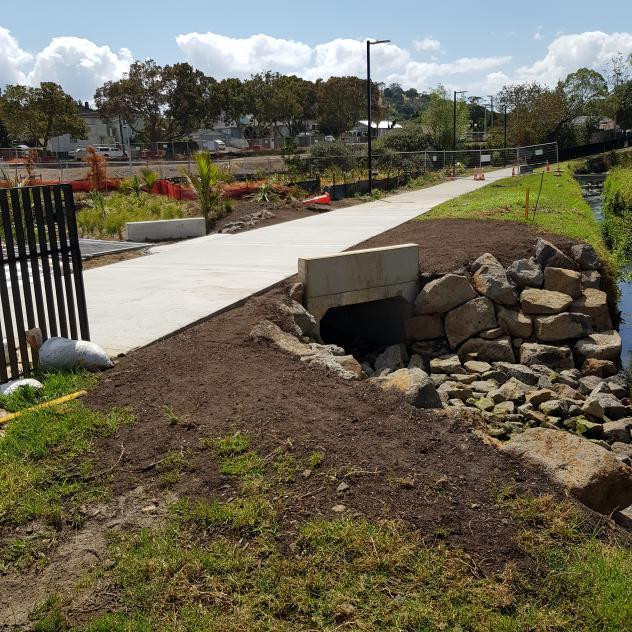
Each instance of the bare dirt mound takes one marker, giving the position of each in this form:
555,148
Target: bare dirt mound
423,467
449,244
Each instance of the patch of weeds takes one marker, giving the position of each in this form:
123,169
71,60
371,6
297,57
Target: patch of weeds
232,445
19,552
172,465
172,418
252,515
285,466
315,459
45,465
55,384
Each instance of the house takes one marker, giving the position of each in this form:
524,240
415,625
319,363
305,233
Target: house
100,132
359,134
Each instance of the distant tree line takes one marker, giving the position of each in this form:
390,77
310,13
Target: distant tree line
168,103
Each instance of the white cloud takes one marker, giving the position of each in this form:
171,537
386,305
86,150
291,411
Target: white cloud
12,59
78,65
223,56
427,43
567,53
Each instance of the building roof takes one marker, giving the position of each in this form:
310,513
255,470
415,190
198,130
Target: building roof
380,124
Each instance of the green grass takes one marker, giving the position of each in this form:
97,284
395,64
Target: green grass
561,209
119,208
196,573
55,384
617,208
234,567
45,464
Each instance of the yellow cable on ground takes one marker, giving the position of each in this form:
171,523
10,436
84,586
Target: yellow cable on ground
52,402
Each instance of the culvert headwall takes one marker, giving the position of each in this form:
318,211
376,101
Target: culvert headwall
360,276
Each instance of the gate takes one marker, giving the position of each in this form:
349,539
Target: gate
41,281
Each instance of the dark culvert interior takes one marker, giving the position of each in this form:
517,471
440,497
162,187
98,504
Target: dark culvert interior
365,328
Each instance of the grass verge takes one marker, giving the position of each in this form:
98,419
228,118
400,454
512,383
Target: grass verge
233,566
617,208
561,208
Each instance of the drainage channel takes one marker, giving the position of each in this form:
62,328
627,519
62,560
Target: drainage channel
593,193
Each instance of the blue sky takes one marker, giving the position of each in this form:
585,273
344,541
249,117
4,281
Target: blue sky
474,45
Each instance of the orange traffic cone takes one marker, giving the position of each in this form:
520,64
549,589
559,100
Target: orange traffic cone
548,167
513,172
482,174
319,199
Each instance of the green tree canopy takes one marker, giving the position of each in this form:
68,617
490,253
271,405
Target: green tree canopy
437,118
35,115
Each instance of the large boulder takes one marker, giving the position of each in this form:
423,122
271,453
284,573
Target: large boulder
486,259
345,367
393,358
267,331
498,350
514,323
448,364
565,326
585,257
512,390
492,281
617,431
591,279
468,320
555,357
547,255
443,294
303,319
603,406
544,301
564,281
600,346
592,474
424,327
526,273
594,303
518,371
414,384
599,368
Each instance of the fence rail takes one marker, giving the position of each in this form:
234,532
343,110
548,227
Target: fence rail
41,281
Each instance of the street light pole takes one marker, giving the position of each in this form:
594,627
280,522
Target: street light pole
368,107
456,92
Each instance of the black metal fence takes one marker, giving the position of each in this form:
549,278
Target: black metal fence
581,151
41,281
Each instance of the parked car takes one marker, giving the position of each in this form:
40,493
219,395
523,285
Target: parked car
107,151
329,138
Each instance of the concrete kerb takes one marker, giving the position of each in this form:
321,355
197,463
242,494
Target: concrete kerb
165,229
359,276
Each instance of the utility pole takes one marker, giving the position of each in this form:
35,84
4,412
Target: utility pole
491,100
368,107
505,127
456,92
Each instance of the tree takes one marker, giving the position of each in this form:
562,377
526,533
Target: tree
193,100
403,105
342,103
438,118
537,114
139,99
233,102
584,91
36,115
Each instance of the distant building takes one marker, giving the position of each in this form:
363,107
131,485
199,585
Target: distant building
359,133
100,132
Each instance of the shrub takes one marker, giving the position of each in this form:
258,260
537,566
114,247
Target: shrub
108,216
336,156
97,168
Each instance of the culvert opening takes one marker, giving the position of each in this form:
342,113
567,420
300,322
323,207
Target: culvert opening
365,328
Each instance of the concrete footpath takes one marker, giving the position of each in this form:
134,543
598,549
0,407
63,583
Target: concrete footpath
135,302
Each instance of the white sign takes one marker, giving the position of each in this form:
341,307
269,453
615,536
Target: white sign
539,152
486,158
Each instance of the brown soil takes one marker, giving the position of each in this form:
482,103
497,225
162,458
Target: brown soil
284,211
218,381
106,260
428,469
449,244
